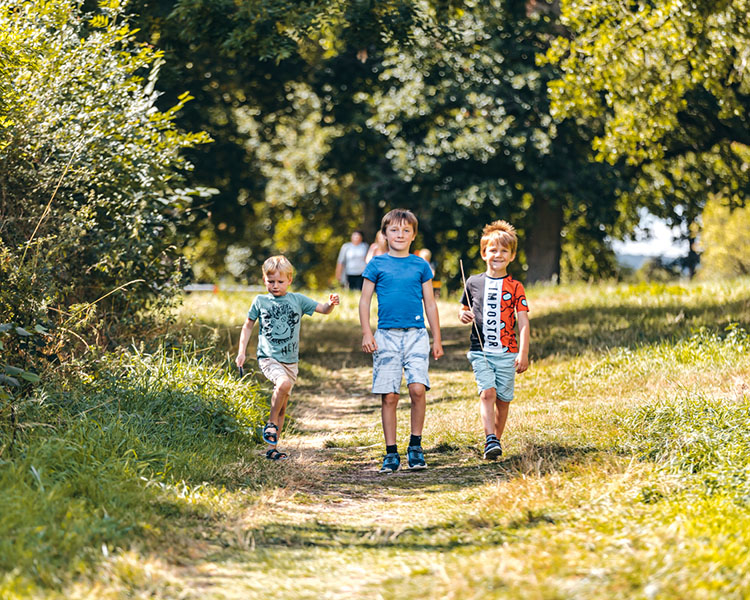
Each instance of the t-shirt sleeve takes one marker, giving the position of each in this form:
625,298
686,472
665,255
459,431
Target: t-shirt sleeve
342,253
307,305
371,271
426,273
465,298
521,303
254,311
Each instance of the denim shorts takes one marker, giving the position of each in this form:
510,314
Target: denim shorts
400,350
494,371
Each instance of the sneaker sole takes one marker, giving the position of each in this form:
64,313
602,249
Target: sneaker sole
417,467
387,471
493,454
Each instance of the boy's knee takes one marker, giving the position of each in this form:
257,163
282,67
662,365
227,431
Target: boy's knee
284,385
389,400
489,395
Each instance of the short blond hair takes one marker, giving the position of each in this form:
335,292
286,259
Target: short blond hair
499,231
278,263
397,215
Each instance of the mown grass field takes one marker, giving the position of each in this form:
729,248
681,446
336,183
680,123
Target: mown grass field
626,471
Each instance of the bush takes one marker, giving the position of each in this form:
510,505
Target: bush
90,172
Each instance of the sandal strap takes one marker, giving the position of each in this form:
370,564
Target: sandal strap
274,454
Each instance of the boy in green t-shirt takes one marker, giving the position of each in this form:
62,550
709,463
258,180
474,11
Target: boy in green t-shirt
280,313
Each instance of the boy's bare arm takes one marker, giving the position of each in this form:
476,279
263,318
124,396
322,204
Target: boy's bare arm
247,329
522,360
433,318
326,308
365,301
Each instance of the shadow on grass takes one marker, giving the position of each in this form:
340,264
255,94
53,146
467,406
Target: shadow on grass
360,481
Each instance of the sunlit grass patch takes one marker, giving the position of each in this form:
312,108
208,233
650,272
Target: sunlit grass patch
142,441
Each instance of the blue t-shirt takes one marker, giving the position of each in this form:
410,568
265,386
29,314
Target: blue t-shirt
398,284
279,323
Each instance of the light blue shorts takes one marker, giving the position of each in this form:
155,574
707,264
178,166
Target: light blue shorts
400,350
494,371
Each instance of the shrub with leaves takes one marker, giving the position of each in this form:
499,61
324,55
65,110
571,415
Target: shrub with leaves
90,172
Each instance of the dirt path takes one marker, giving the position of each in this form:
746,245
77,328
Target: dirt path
330,525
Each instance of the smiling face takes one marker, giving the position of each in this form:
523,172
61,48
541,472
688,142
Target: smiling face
498,257
399,235
276,283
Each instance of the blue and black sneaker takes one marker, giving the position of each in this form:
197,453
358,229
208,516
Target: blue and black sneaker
415,456
492,447
391,463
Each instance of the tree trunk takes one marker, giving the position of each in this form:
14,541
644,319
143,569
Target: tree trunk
542,244
370,219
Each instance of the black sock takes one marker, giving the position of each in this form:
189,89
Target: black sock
415,440
391,449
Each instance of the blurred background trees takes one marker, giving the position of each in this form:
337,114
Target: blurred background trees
567,118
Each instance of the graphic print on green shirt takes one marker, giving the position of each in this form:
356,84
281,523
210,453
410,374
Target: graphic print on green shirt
279,324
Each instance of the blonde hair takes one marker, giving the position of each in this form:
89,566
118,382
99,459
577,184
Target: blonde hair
278,263
501,232
397,215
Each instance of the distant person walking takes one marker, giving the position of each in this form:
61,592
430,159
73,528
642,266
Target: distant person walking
378,247
351,262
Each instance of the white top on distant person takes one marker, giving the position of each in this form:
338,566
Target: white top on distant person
351,262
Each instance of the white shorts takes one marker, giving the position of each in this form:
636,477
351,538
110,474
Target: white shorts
400,351
275,370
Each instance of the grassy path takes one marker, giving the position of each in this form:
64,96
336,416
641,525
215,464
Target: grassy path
572,510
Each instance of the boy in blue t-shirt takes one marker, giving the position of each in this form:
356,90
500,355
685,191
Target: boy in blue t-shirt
280,313
403,282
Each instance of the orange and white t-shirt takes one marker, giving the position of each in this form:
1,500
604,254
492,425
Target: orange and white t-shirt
495,302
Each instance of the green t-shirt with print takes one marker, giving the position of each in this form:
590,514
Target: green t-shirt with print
279,323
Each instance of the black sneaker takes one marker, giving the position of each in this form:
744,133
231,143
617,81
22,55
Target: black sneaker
492,448
415,457
391,463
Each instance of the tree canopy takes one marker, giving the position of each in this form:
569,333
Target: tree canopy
669,85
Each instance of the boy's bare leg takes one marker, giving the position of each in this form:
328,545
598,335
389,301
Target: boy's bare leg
487,400
501,416
279,401
389,403
418,396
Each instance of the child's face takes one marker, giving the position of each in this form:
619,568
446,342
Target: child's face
399,236
276,282
498,257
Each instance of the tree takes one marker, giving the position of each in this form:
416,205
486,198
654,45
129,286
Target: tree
669,86
443,109
471,132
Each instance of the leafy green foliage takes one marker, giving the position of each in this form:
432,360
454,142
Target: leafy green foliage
668,87
724,239
90,171
439,106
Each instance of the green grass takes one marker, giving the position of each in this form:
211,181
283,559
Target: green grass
626,471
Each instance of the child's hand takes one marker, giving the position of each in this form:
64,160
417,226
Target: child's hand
333,299
465,316
240,360
522,363
437,350
368,343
